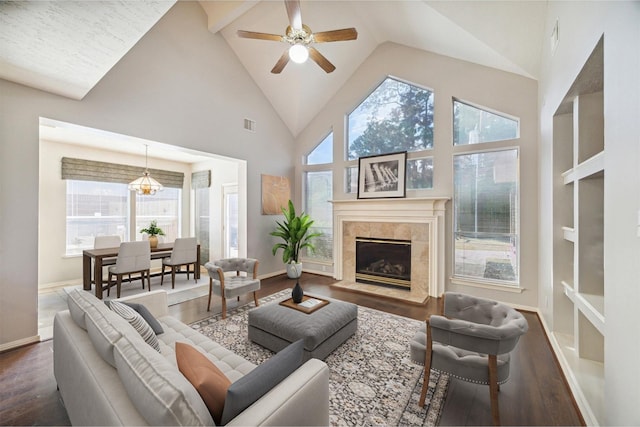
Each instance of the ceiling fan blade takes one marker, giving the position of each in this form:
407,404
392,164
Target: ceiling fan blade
293,12
282,62
259,36
321,60
336,35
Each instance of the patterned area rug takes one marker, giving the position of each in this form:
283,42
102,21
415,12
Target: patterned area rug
372,382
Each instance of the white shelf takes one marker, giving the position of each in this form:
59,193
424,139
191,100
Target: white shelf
592,306
569,234
568,291
569,176
587,374
589,167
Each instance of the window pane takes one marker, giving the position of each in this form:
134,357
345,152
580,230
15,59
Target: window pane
395,117
351,179
486,215
318,186
420,173
164,207
472,125
323,153
202,221
95,209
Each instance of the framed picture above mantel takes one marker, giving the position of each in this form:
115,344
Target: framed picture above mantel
381,177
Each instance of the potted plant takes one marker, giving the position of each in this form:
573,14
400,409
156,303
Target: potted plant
153,231
295,231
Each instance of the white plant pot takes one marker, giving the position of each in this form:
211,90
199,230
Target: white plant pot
294,271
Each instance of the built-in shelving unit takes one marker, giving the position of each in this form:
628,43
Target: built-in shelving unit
578,218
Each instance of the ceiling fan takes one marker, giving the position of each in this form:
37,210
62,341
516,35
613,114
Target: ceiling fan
300,37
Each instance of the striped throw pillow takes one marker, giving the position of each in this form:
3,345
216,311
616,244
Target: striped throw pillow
137,321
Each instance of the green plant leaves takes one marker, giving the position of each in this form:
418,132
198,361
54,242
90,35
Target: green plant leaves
294,231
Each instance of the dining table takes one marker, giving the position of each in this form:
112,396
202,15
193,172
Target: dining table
97,257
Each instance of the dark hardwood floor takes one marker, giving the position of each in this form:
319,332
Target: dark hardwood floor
536,393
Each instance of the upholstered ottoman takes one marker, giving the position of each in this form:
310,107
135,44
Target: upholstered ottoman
275,326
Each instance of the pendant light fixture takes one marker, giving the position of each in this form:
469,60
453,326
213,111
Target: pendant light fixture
145,185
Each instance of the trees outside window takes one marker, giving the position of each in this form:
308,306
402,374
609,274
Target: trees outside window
396,117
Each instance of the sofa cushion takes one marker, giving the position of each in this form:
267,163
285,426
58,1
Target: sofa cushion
104,332
136,320
245,391
79,302
161,394
205,376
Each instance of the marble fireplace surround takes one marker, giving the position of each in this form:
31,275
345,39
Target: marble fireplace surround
420,220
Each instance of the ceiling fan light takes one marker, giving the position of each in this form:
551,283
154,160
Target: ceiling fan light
298,53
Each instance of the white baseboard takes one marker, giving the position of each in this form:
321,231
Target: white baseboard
19,343
582,402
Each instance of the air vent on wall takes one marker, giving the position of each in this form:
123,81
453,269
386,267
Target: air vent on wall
250,125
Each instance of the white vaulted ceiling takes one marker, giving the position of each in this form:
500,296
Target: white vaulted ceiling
67,47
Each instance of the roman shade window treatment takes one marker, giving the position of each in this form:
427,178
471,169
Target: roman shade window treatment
90,170
201,179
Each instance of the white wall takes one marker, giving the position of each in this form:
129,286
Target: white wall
447,77
581,24
180,85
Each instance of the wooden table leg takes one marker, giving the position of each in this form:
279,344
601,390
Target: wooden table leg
98,276
86,272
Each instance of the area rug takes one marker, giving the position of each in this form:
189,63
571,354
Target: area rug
372,381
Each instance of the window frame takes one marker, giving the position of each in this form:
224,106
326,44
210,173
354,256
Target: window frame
132,233
346,144
488,110
515,285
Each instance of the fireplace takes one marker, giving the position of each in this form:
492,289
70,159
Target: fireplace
384,262
419,221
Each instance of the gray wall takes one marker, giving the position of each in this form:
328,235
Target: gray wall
179,85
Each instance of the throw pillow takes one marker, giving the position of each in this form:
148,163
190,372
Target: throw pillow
245,391
205,376
147,316
136,320
145,313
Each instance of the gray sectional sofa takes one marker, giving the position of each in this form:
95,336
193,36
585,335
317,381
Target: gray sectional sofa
108,375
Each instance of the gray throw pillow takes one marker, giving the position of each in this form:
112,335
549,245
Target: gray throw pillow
146,315
246,390
136,320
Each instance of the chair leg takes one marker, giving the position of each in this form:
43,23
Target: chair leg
118,282
109,276
255,298
493,388
162,275
210,291
195,276
427,367
148,272
224,307
173,277
188,271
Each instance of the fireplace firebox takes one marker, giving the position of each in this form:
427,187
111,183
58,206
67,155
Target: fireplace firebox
385,262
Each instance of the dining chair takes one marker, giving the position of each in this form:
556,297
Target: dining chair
133,257
472,343
232,286
103,242
185,252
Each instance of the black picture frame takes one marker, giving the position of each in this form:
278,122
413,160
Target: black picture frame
383,176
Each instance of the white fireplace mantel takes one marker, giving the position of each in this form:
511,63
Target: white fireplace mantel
429,210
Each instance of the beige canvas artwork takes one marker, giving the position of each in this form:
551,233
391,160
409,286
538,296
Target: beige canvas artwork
276,193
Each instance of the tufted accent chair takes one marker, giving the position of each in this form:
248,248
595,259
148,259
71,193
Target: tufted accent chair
471,343
232,286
